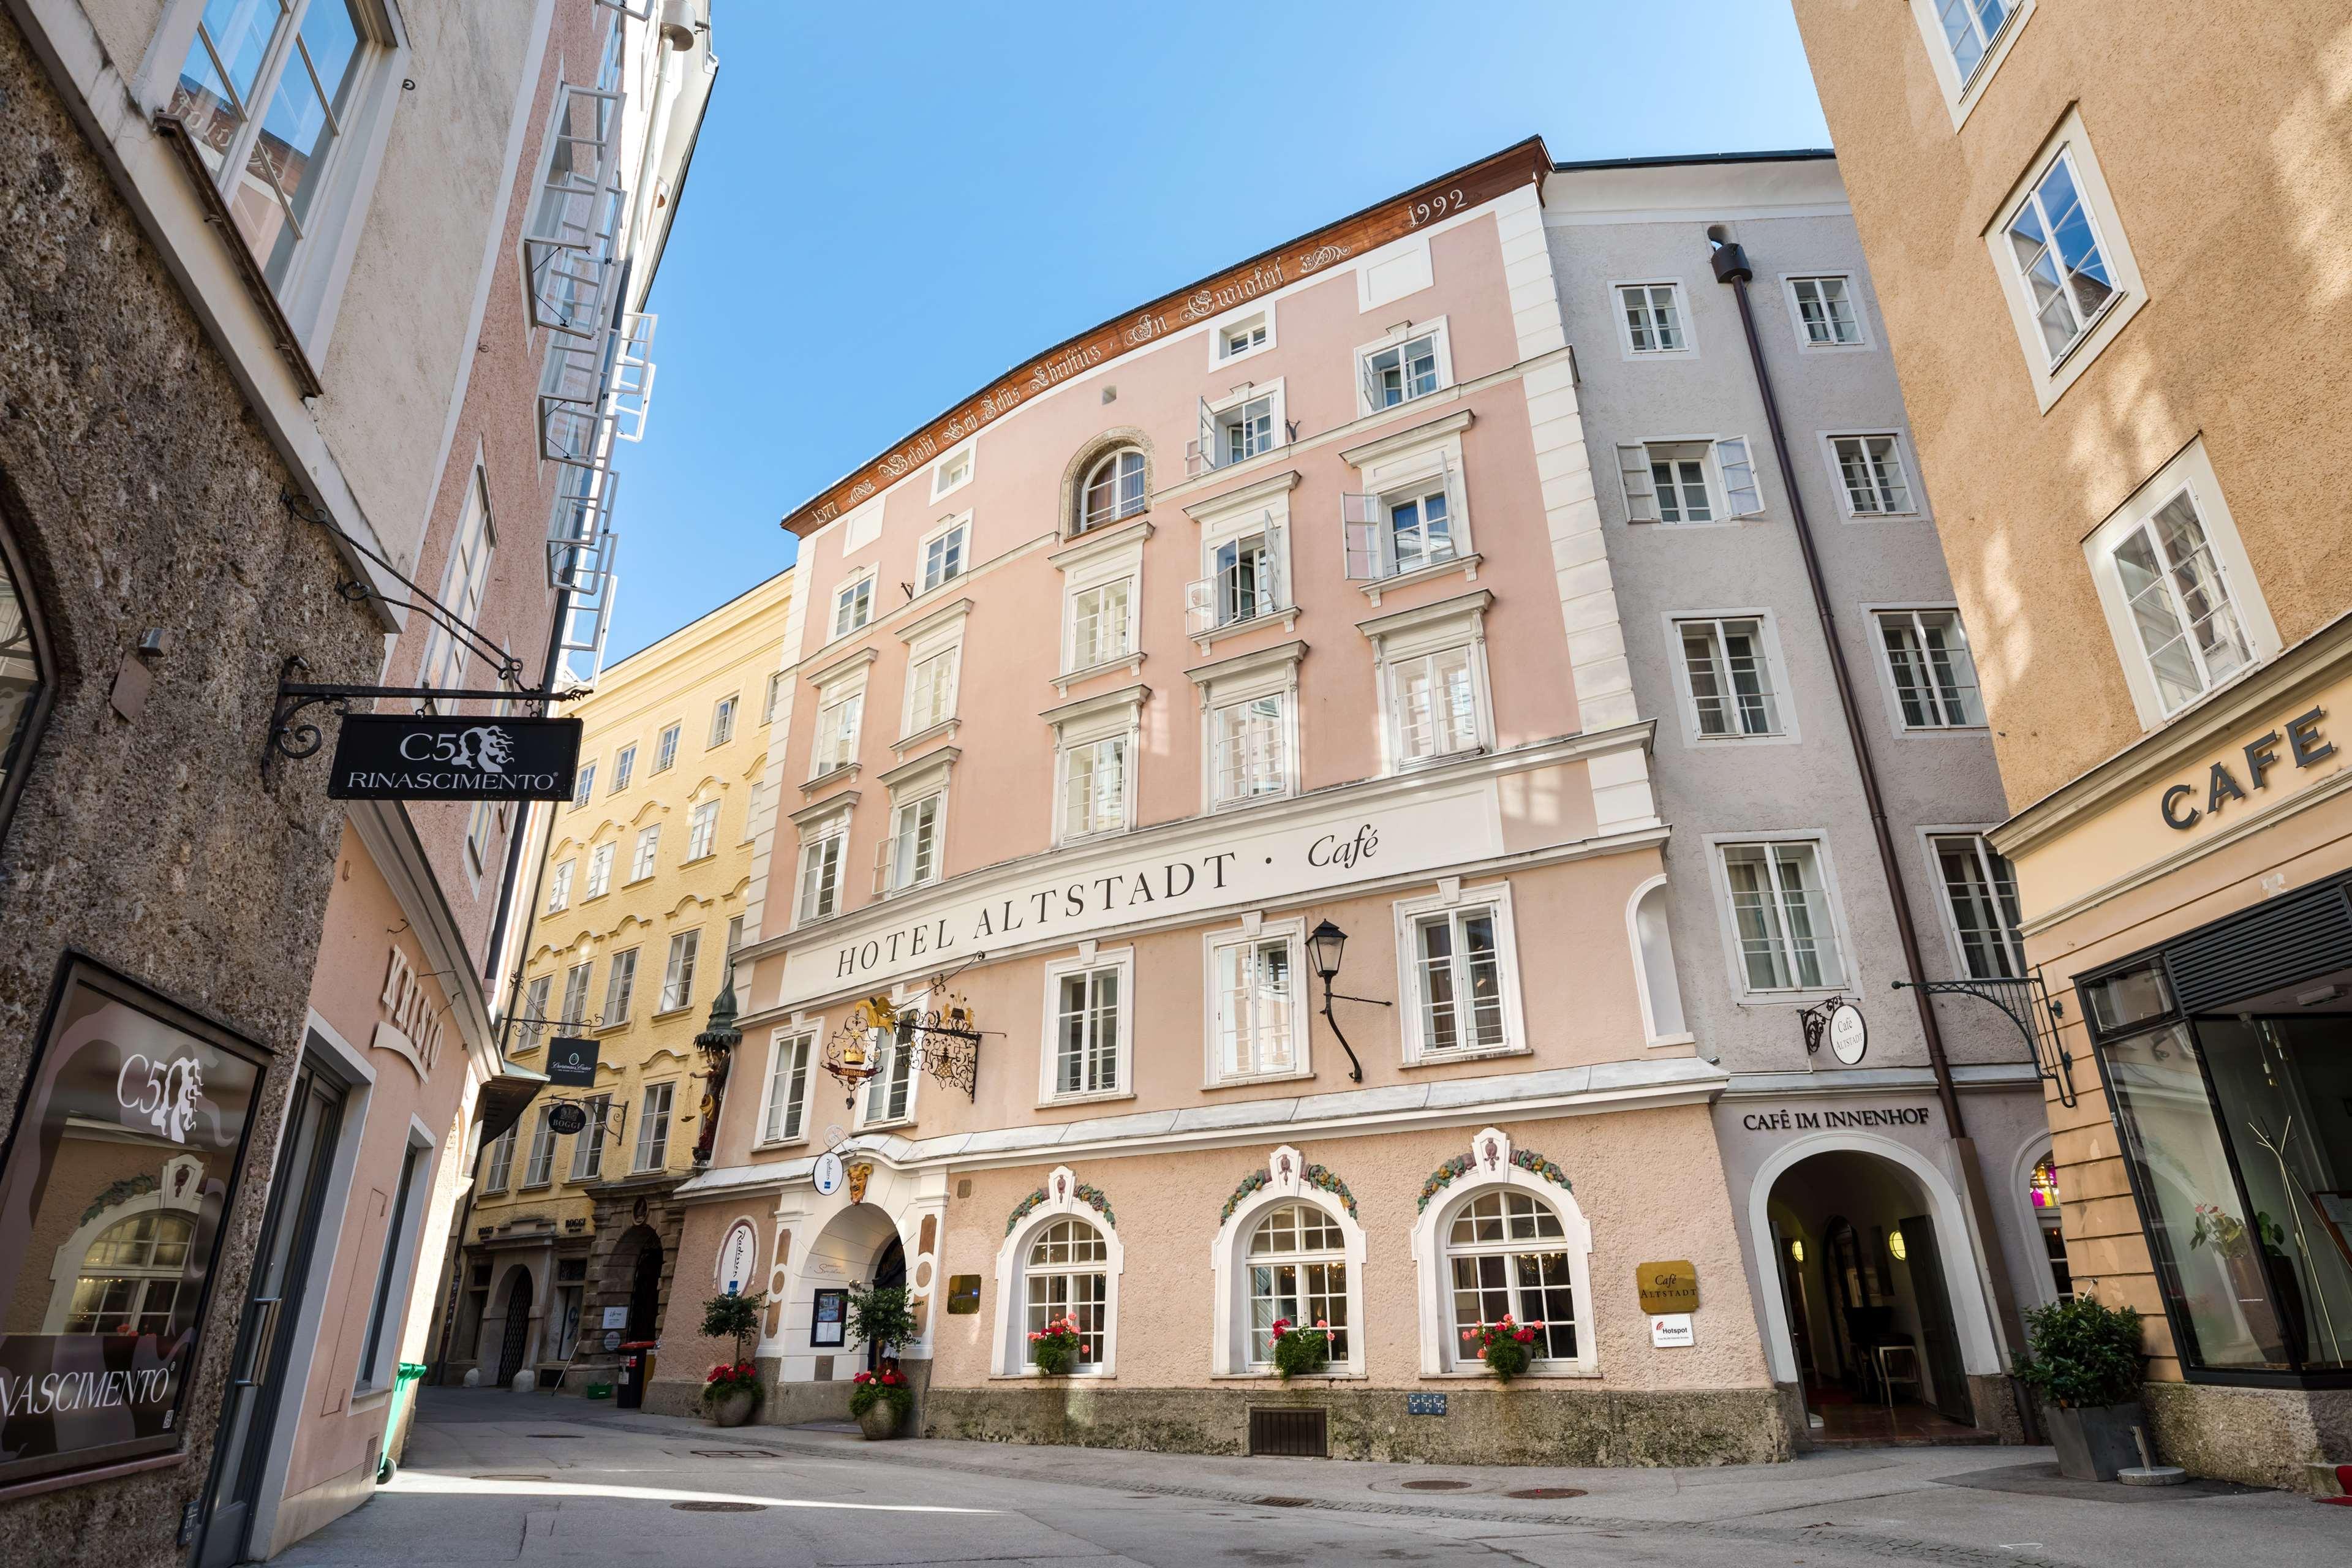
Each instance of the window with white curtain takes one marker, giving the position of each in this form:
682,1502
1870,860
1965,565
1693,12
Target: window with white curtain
1066,1275
1781,916
677,975
701,830
1251,755
620,987
646,854
1298,1260
911,856
539,1166
1507,1256
1434,700
1102,623
1258,1009
1458,969
1113,489
788,1077
575,996
1934,675
931,687
822,848
653,1127
1094,786
1979,906
839,713
600,870
1088,1019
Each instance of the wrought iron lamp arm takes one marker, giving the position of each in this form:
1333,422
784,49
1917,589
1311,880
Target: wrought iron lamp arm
1355,1068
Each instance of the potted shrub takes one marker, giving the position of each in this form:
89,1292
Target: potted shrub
731,1391
884,1319
880,1401
1506,1347
1300,1352
1055,1347
2084,1360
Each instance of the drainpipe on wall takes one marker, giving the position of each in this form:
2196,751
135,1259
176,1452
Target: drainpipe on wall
1731,267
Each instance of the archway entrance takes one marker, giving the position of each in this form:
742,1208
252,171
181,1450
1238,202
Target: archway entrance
518,1335
1863,1265
890,1269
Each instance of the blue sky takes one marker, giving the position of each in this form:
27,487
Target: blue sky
893,202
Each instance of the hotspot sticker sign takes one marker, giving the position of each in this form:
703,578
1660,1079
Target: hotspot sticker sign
1671,1332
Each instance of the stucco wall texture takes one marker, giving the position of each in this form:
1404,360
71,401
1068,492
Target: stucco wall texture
129,476
2204,147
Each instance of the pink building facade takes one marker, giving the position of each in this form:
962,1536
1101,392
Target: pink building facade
1197,886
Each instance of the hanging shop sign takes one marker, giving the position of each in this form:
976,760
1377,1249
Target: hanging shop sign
827,1174
572,1061
566,1119
124,1162
1849,1036
414,756
738,1255
1667,1286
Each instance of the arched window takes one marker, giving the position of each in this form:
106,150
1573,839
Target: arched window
23,674
1654,952
1113,489
1068,1276
2042,1191
1297,1270
1506,1254
131,1277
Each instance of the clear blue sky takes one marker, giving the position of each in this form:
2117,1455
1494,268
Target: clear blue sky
892,203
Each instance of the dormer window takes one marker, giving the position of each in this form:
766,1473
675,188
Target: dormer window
1114,489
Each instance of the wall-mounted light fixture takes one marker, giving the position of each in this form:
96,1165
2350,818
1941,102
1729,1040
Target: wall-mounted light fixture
1325,945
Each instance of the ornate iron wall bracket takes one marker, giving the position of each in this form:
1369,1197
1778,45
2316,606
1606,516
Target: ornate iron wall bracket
296,739
2027,1003
1817,1021
948,1043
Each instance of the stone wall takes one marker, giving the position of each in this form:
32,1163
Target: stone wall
2263,1436
1484,1425
141,495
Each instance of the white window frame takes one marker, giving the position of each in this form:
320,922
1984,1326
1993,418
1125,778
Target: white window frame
1898,448
929,784
1094,564
390,1297
2190,470
1637,487
575,999
666,748
1423,632
960,523
2052,375
538,1161
600,869
1786,731
844,597
1681,304
1892,686
1245,320
644,855
724,714
1117,715
620,987
638,1163
1408,466
498,1170
1009,1354
1229,1265
679,964
530,1027
465,580
885,1042
1492,1169
1928,837
945,479
311,293
1963,93
1253,933
1805,344
1249,677
583,785
1220,416
701,831
1080,522
1441,350
1727,924
1453,899
784,1042
946,645
1088,960
588,1144
1658,970
1204,598
832,823
779,683
831,698
624,767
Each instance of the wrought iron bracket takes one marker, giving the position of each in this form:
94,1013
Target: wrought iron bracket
2027,1002
296,739
1817,1021
1355,1068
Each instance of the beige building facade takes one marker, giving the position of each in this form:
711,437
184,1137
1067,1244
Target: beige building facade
2126,422
642,883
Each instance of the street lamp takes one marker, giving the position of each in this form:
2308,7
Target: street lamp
1325,945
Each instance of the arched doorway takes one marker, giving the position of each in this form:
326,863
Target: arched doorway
890,1269
645,1289
1875,1309
517,1335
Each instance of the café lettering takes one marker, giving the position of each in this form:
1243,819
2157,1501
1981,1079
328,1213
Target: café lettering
2305,746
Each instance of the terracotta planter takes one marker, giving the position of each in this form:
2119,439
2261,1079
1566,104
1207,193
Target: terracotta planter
733,1409
880,1421
2094,1441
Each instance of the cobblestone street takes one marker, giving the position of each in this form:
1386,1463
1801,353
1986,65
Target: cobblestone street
496,1476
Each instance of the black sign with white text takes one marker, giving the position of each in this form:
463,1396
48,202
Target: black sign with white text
572,1060
393,756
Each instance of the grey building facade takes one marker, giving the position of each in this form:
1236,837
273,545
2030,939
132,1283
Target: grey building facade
1889,1251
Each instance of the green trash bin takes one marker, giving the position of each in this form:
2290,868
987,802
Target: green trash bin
403,1389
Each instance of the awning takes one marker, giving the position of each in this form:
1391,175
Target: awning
501,1102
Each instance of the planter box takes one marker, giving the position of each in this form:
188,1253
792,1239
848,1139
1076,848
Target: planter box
2094,1441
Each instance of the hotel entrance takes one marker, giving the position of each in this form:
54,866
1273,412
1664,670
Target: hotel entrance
1864,1283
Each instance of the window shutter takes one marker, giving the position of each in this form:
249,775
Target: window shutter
882,855
1207,445
1200,606
1641,495
630,396
1372,400
1361,529
1740,491
1278,541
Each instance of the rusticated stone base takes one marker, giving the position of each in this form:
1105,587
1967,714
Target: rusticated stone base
2264,1436
1996,1406
1528,1424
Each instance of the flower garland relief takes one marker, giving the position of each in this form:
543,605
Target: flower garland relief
1316,1176
1092,1196
1461,1165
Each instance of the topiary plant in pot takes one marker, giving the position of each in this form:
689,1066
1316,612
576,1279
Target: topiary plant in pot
731,1391
2084,1360
884,1318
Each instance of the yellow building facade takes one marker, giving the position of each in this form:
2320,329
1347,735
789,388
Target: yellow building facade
643,885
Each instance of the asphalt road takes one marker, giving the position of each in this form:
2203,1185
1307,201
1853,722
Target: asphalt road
493,1477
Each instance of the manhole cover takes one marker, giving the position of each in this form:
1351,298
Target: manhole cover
1282,1501
511,1477
1545,1494
715,1507
1437,1486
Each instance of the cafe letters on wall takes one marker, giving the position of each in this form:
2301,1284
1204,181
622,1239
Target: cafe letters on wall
121,1165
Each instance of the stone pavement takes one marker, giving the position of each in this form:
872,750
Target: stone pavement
498,1477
